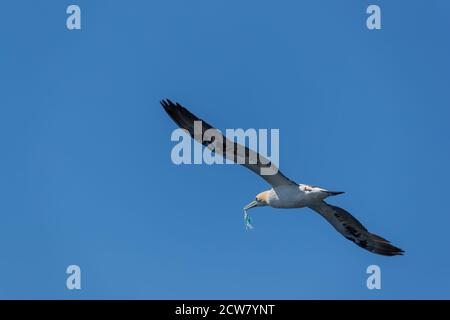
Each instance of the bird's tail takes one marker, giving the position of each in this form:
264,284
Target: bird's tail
334,193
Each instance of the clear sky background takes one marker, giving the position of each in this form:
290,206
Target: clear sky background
86,176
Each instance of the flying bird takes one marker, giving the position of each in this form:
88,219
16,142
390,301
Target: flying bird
285,193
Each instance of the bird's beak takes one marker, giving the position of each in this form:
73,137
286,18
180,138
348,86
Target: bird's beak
251,205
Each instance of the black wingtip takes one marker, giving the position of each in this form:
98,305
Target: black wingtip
385,247
392,252
166,103
168,106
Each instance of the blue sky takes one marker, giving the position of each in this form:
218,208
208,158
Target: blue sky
86,176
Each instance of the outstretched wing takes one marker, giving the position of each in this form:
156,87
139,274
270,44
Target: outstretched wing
353,230
228,149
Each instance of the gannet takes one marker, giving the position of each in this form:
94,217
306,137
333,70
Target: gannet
284,193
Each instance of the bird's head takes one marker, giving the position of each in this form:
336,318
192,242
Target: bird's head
261,200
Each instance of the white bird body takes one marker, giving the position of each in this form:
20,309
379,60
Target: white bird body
291,196
285,193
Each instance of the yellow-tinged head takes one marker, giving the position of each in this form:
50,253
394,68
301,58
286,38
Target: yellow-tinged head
262,197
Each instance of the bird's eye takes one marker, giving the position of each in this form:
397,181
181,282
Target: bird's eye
256,199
